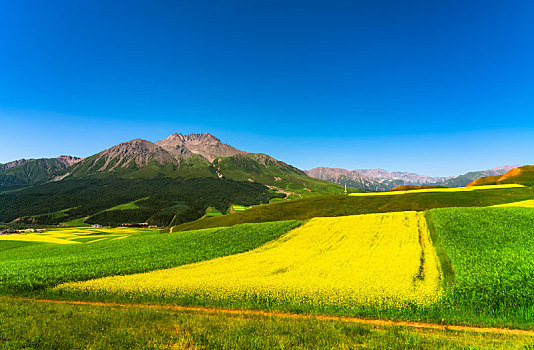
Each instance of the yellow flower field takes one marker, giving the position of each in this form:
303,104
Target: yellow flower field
374,258
73,235
452,189
524,204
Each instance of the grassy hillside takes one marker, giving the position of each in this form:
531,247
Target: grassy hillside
486,180
170,200
30,172
95,167
520,175
267,170
339,205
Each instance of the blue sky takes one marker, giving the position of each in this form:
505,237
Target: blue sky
438,88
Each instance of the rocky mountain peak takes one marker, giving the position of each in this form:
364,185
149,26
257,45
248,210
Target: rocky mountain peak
14,163
205,145
68,160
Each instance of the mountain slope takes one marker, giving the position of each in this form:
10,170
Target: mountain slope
199,155
206,145
159,200
25,172
521,175
259,167
465,179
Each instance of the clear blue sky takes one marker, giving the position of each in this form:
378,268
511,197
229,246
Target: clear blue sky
438,88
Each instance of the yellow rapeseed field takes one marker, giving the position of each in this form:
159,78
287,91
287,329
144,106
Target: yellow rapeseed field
72,235
384,259
525,204
453,189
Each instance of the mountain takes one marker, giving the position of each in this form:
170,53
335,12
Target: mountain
124,157
465,179
198,155
347,177
384,180
206,145
518,175
171,181
372,179
26,172
399,178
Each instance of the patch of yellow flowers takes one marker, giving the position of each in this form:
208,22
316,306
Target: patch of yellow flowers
70,235
344,261
425,190
525,204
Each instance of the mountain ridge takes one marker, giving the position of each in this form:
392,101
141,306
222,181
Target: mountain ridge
519,175
26,172
384,180
206,145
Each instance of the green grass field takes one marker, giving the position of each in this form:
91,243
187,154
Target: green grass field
126,206
37,325
491,251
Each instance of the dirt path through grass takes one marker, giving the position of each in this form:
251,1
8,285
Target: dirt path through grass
421,325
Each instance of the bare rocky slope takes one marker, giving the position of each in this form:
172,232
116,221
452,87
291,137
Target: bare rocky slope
206,145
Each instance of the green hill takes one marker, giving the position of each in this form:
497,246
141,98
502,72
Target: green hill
170,200
26,172
340,205
523,175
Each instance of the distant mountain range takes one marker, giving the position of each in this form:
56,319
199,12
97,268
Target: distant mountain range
383,180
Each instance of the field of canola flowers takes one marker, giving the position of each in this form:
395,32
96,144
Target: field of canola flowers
75,235
425,190
386,260
30,267
523,204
